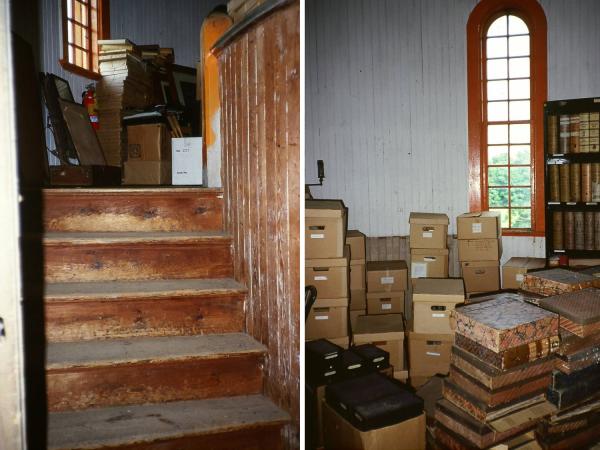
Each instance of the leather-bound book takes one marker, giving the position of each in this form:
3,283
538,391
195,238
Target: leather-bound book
558,242
565,183
557,281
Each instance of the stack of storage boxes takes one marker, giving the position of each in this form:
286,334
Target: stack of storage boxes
428,245
327,266
479,250
430,341
386,287
358,283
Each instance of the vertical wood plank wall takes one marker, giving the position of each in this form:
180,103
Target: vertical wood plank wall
260,128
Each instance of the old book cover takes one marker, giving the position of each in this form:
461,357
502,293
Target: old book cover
500,323
557,281
493,378
503,395
561,379
477,433
512,357
578,439
579,310
574,394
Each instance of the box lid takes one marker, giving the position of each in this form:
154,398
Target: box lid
382,323
428,218
357,262
329,262
412,336
373,266
331,303
525,263
391,294
429,251
447,290
494,263
355,234
324,208
484,214
580,307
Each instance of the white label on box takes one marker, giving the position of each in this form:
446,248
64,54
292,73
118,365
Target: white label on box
386,306
321,317
331,356
438,315
187,160
317,236
433,354
476,228
418,270
427,234
429,258
520,277
320,278
329,373
386,280
378,359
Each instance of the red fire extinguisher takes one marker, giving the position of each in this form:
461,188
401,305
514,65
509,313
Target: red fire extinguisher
89,101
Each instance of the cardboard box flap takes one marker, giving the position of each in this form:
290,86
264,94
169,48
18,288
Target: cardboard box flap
386,323
475,214
324,208
429,251
428,218
480,264
373,266
439,289
329,262
525,263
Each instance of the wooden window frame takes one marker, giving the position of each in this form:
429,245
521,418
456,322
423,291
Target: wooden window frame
480,19
103,27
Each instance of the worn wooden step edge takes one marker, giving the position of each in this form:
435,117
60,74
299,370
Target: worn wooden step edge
132,237
138,424
120,191
113,352
82,291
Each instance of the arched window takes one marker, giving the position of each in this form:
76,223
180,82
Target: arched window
506,57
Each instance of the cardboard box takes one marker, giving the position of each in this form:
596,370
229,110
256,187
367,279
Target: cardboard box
418,381
187,160
433,301
327,319
429,354
357,242
358,279
342,341
339,434
330,276
429,263
148,142
481,276
428,230
385,302
385,331
146,172
479,249
387,276
515,268
354,315
479,225
358,300
325,228
314,404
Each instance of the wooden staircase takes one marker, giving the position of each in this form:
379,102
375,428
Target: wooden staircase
145,326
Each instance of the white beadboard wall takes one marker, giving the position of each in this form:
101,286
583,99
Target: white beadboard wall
172,23
386,103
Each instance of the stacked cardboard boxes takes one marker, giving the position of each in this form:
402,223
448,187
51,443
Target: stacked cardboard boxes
148,155
501,366
327,267
428,245
358,280
386,287
514,270
479,250
431,338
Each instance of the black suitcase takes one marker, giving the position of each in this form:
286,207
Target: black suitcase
373,401
322,361
375,357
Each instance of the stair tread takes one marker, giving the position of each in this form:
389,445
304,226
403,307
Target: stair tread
119,425
58,237
65,355
158,288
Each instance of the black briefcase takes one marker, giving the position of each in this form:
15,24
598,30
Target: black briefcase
373,401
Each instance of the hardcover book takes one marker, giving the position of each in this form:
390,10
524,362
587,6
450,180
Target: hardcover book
557,281
579,311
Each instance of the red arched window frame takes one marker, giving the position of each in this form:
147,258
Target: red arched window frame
480,18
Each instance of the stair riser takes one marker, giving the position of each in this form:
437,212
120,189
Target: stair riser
137,261
130,211
153,382
132,317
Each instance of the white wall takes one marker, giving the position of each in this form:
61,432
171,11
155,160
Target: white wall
386,102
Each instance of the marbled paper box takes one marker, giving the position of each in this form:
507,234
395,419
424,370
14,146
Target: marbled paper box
557,281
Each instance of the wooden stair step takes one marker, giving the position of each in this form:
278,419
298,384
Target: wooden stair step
133,209
81,257
87,374
242,422
120,309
